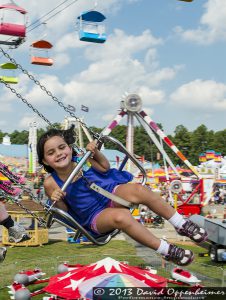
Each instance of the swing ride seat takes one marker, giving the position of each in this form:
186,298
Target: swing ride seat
90,24
8,79
45,61
41,46
63,218
9,67
13,29
92,37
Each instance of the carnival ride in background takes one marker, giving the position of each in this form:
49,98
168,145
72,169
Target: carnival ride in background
9,70
131,107
40,53
91,28
15,31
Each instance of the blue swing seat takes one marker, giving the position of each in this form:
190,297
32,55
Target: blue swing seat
90,27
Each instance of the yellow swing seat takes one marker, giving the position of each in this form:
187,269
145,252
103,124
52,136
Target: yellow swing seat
9,68
9,79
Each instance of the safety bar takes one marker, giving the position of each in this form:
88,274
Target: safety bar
76,170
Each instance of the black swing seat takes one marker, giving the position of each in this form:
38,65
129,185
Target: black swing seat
62,217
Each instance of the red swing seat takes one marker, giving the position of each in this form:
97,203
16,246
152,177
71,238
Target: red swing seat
45,61
41,46
12,29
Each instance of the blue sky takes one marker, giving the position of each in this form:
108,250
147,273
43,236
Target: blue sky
171,53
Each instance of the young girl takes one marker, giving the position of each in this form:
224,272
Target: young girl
97,213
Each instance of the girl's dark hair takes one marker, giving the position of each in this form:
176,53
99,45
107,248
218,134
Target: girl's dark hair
67,135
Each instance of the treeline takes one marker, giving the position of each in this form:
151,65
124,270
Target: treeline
190,143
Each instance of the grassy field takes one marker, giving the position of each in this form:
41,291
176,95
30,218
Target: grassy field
55,252
51,255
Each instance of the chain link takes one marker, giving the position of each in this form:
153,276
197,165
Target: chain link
11,199
41,220
54,98
25,101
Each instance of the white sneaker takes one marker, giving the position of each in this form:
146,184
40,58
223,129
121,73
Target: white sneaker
3,251
17,234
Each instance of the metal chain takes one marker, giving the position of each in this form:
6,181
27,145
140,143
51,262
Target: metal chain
8,198
41,220
54,98
11,177
25,101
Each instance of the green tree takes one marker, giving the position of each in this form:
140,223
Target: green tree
20,138
2,134
182,140
219,141
199,143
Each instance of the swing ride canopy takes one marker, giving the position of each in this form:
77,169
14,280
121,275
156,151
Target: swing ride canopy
8,66
42,44
13,7
92,16
107,272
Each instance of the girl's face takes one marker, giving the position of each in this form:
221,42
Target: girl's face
57,153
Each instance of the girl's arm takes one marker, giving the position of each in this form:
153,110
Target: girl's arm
54,193
98,160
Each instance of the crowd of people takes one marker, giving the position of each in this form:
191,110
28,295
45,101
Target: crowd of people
219,195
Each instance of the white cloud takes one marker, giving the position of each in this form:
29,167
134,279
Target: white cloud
68,41
97,75
150,97
149,111
114,71
129,44
212,24
108,117
61,60
201,95
38,96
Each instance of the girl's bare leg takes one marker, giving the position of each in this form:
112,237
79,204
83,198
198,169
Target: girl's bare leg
121,218
138,194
